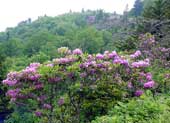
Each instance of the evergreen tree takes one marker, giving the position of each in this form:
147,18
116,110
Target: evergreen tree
138,8
159,10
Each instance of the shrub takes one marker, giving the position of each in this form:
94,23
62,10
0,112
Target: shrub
151,48
78,87
140,110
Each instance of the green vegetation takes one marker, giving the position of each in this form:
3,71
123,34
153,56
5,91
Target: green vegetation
141,110
119,71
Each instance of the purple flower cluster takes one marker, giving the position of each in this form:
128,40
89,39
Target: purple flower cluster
31,69
87,64
35,65
108,55
77,52
61,101
9,82
30,72
149,84
15,79
148,76
83,75
136,54
63,60
130,85
151,39
41,98
147,38
34,77
163,49
118,60
138,93
140,64
167,76
50,65
11,79
90,58
47,106
38,113
39,86
13,93
99,56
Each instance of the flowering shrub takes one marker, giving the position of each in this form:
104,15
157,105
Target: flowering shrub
78,86
151,48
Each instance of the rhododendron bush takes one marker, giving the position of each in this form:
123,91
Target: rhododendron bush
151,48
78,85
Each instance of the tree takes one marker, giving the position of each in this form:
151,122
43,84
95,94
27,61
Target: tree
158,16
138,8
88,39
12,47
158,10
38,40
167,8
147,3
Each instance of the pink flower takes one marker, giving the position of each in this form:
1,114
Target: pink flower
130,85
13,93
50,65
34,77
149,76
38,113
39,86
147,60
149,84
151,39
77,52
164,49
90,57
114,53
138,93
29,70
13,75
63,60
99,56
60,101
83,75
119,60
167,76
47,106
106,52
34,65
142,74
21,96
140,64
136,54
9,82
42,98
124,62
12,79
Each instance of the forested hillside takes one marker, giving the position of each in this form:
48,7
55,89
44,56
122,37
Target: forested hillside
88,66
